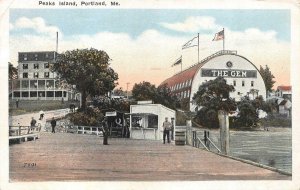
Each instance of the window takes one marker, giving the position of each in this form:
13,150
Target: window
36,66
46,65
25,57
25,66
234,83
239,93
252,83
243,83
36,75
46,75
25,75
47,55
35,55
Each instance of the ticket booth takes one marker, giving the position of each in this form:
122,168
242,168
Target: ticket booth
146,120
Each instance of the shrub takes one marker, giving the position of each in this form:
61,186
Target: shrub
89,117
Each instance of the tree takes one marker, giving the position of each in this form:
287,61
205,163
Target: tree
160,95
12,71
211,97
144,91
267,77
88,70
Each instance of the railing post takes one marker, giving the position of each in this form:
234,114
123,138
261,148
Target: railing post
224,131
208,142
194,138
205,138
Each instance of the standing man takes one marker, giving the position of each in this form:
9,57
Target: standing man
166,127
53,124
105,131
32,123
17,103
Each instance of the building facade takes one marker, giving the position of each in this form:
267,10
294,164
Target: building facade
35,79
236,69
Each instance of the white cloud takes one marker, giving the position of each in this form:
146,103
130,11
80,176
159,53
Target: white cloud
37,24
134,59
194,24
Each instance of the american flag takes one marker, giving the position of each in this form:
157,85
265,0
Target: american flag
219,36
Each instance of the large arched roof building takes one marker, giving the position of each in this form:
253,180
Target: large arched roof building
236,69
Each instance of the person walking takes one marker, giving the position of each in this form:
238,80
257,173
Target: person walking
41,114
32,123
53,124
166,128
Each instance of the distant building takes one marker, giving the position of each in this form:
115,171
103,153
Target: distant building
236,69
35,79
284,92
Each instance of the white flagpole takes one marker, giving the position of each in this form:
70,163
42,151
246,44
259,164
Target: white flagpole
223,39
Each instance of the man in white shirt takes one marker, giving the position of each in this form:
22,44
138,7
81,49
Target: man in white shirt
166,127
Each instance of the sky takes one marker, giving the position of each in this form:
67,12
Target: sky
144,43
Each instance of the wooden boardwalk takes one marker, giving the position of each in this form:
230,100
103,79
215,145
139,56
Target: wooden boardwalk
76,157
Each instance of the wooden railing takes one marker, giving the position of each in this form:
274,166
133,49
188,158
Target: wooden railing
24,132
206,142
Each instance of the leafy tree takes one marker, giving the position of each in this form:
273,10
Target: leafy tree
144,91
160,95
88,70
211,97
119,92
12,71
267,77
248,116
215,94
166,98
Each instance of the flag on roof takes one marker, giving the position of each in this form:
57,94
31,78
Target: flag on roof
219,36
178,61
193,42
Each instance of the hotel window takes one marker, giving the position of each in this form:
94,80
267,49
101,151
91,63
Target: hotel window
252,83
184,95
234,83
35,75
25,57
46,65
36,66
25,66
188,95
243,83
47,55
25,75
36,56
46,75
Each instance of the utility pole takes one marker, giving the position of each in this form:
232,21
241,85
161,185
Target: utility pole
127,84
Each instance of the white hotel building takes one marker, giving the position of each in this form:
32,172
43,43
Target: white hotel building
35,79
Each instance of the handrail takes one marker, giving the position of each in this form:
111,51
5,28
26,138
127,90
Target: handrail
202,143
213,144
